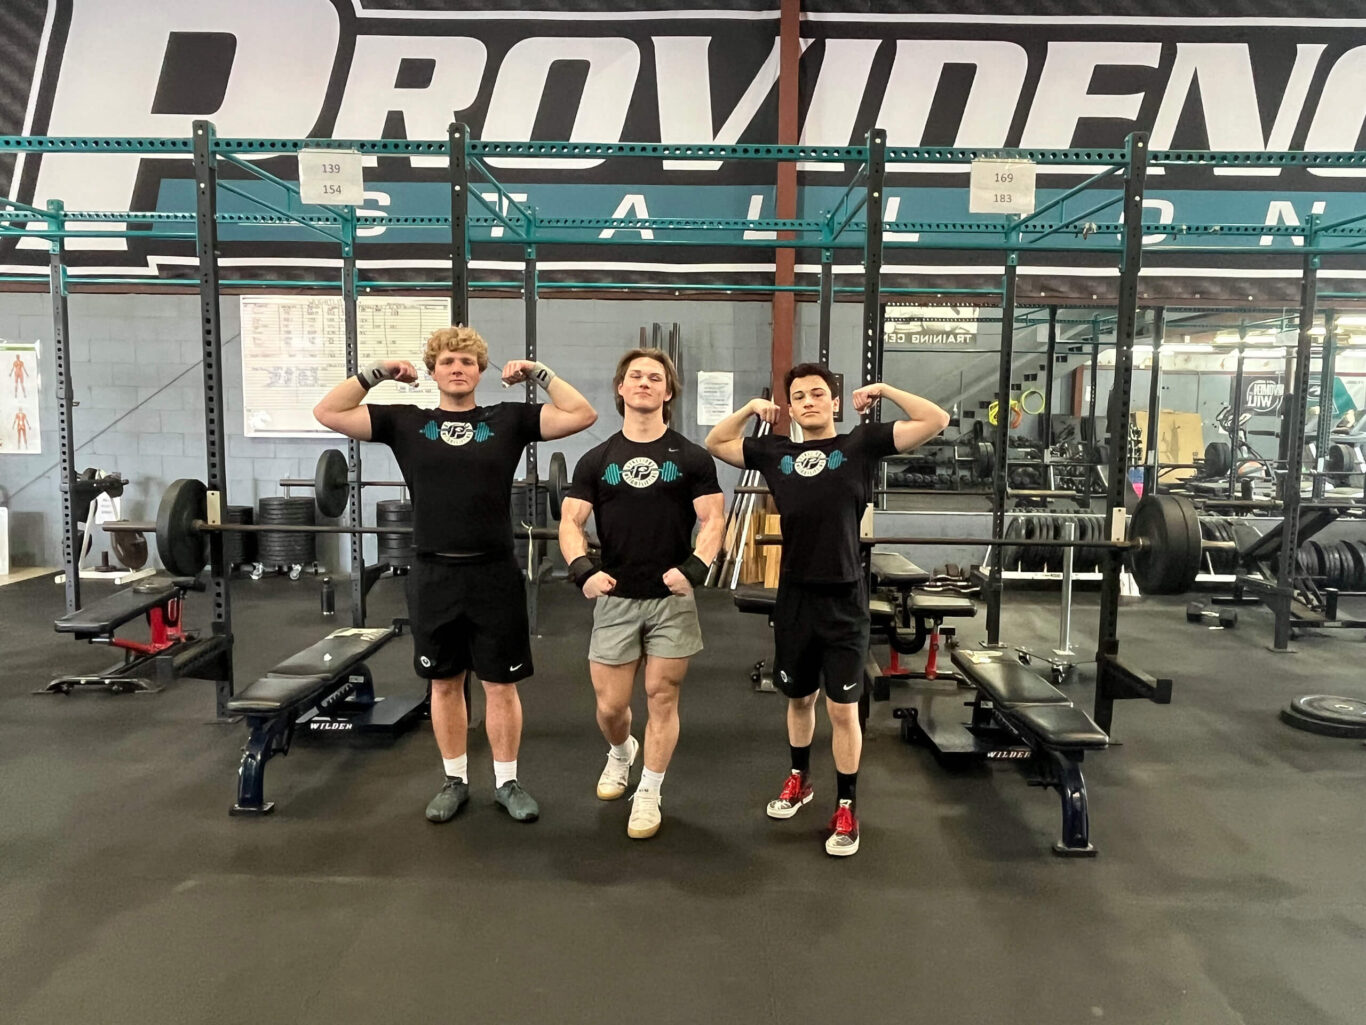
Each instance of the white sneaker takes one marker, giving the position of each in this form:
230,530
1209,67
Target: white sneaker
645,816
617,773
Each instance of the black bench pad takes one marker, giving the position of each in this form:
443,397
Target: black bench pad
897,571
942,605
103,617
756,599
294,681
1061,726
334,653
1004,680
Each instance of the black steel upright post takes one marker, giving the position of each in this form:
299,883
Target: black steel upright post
1117,417
872,280
1095,380
1298,400
457,137
1324,433
1152,481
61,345
872,263
529,299
1047,435
216,479
826,305
1235,430
1001,439
351,324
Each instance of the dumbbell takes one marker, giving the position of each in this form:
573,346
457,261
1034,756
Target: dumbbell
1197,613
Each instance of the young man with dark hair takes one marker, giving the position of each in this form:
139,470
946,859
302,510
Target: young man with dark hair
466,593
820,624
645,487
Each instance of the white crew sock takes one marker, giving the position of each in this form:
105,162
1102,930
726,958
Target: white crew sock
650,780
504,771
622,752
457,768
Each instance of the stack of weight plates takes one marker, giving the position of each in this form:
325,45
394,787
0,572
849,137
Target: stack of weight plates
395,549
239,549
279,549
1327,715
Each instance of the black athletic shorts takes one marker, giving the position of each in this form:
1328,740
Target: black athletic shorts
469,616
820,632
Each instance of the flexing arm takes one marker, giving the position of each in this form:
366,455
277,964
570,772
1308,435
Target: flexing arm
568,412
594,583
340,409
925,419
726,441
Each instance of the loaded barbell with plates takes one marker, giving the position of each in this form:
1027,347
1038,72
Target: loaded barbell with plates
182,528
331,483
1164,545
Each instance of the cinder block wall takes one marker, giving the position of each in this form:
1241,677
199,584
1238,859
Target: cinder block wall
138,382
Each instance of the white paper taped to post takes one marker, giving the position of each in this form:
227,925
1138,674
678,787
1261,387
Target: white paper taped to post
1002,187
715,396
331,176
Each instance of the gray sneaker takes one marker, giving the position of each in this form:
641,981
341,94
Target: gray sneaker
446,803
520,805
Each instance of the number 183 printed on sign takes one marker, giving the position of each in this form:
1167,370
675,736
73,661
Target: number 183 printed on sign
1002,187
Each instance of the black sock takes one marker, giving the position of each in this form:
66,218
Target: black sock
801,758
846,784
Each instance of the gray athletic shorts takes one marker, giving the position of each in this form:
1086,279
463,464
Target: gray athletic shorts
623,628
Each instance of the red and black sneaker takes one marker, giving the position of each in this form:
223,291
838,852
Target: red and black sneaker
843,831
796,792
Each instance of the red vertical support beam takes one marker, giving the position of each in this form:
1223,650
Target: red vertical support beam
784,303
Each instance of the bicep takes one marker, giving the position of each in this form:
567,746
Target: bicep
575,511
709,508
556,423
353,423
732,452
911,434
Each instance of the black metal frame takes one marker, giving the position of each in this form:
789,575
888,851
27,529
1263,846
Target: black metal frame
206,243
1152,482
65,404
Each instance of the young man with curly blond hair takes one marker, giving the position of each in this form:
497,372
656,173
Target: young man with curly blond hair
466,592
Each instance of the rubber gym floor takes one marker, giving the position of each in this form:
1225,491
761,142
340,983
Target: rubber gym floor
1228,888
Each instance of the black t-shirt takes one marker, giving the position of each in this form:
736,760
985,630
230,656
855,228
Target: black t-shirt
642,496
459,469
821,489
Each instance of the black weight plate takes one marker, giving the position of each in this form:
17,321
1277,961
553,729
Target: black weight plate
1339,567
1291,717
559,483
331,491
1330,708
1348,557
130,549
1169,560
1029,555
984,462
1218,459
180,545
1317,567
1358,550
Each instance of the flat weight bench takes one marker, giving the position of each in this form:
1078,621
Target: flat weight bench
1017,715
312,688
170,652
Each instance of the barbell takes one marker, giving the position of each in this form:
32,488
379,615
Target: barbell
1164,545
331,483
182,526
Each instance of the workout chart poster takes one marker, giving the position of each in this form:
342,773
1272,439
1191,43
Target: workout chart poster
294,353
19,391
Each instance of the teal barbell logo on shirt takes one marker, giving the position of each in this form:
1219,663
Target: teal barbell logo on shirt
455,432
811,462
641,472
